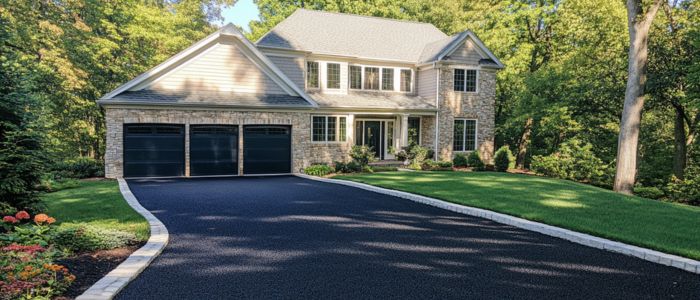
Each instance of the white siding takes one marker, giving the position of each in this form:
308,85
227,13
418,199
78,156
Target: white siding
293,67
427,83
223,68
467,53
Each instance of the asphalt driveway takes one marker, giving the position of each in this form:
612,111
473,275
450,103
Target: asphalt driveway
287,237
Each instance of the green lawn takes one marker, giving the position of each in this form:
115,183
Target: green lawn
667,227
98,203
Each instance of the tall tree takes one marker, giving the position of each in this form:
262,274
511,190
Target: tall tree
640,15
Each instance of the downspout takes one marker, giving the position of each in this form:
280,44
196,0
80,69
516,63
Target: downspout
437,113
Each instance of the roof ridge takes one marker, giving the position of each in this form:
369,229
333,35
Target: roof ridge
369,17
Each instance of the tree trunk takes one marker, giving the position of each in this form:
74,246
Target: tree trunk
523,144
679,147
638,23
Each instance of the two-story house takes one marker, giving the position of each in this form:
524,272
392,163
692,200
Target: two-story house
308,90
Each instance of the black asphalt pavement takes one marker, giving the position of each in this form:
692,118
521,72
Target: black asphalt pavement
292,238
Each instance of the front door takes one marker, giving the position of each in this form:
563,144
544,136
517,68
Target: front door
373,137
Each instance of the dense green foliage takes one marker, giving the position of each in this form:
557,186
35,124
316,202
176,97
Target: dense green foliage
575,162
460,160
318,170
668,227
82,238
362,155
503,159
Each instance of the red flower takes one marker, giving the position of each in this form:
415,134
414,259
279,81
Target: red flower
22,215
21,248
10,219
40,218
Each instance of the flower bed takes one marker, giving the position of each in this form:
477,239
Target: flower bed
27,260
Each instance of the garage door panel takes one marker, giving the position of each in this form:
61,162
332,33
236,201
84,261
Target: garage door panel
267,149
154,150
213,150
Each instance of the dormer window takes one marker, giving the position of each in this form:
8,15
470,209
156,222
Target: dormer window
333,76
465,80
387,79
371,78
312,74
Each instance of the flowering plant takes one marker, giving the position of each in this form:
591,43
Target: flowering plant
28,272
20,229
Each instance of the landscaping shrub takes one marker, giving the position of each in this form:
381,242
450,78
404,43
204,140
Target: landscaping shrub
401,155
575,162
83,167
417,154
362,155
340,167
367,169
650,192
384,169
460,160
83,238
474,160
503,159
685,190
21,229
49,183
431,165
353,167
21,161
318,170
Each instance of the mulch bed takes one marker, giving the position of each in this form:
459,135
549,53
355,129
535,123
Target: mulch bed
90,267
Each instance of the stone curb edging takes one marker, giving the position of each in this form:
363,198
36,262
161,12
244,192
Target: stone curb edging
654,256
117,279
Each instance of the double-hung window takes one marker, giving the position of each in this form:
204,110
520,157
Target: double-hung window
371,78
406,80
387,79
312,74
465,80
332,76
355,77
464,135
328,129
414,131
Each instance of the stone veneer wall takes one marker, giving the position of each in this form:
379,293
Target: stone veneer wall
480,106
304,152
427,132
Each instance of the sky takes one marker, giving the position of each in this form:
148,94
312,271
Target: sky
241,14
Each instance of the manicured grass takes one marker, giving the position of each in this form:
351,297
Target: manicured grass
667,227
97,203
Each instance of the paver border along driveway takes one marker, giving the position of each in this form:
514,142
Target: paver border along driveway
288,237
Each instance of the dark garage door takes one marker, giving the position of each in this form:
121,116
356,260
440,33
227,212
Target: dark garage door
154,150
213,150
267,149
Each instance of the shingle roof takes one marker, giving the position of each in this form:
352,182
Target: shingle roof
208,98
433,50
372,100
352,35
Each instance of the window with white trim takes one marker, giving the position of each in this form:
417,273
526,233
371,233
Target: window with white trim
387,79
465,80
406,80
464,138
371,78
312,74
328,129
355,77
333,76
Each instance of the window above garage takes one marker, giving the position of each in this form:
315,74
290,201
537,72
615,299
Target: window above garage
329,128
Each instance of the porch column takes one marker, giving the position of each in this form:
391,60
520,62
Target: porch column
404,130
351,129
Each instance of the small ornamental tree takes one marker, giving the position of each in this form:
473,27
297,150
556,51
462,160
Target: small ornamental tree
503,159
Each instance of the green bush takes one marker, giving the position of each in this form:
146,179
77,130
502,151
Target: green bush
367,169
503,159
650,192
318,170
686,190
340,167
82,238
417,154
474,160
362,155
431,165
384,169
353,167
575,162
460,160
83,167
49,183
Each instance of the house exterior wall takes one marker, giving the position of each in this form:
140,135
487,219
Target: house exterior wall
304,152
427,83
293,67
479,106
466,53
223,68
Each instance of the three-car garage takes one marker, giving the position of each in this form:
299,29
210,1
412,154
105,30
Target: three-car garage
159,150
